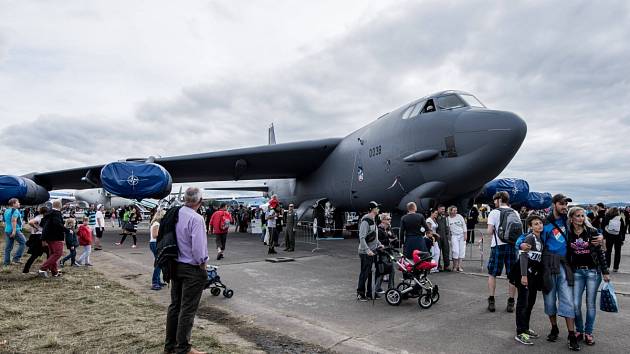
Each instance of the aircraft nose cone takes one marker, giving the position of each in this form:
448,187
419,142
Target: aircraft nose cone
499,127
487,141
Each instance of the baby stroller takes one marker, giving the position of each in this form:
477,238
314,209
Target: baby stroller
415,283
215,285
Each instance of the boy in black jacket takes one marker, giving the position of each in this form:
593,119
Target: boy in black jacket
527,277
72,242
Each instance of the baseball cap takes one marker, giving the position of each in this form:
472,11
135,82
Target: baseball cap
560,198
374,205
99,206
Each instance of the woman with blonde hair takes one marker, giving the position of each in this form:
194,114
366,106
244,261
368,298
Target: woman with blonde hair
156,284
588,263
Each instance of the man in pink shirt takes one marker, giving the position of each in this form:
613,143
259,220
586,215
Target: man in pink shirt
190,275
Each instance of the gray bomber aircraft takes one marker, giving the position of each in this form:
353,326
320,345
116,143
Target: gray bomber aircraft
441,148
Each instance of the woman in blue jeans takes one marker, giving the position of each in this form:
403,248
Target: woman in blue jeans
589,265
156,283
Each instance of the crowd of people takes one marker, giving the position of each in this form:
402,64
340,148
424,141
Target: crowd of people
565,253
562,252
49,229
48,234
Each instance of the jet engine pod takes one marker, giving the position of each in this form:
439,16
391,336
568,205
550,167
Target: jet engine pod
136,180
518,189
24,189
538,201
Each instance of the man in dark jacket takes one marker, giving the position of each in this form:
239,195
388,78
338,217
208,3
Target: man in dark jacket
443,231
53,235
471,222
598,216
291,219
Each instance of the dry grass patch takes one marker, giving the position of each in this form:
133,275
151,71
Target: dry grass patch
82,312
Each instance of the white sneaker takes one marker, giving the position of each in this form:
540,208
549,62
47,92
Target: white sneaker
42,273
133,246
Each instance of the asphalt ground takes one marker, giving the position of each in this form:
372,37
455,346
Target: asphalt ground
313,300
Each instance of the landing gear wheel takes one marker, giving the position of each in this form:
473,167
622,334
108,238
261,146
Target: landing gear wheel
425,301
228,293
393,297
215,291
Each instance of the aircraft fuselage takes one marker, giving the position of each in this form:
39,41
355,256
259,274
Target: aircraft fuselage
440,155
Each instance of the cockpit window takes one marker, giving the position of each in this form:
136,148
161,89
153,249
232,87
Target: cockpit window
429,107
472,101
407,112
416,110
450,102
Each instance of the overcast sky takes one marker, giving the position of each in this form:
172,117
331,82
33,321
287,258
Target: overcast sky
92,83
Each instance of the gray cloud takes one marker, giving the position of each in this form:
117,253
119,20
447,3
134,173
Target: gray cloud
3,46
562,66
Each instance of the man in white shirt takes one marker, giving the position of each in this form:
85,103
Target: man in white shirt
501,253
458,230
99,227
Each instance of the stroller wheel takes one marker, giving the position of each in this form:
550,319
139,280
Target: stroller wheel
215,291
425,301
435,294
401,287
228,293
435,297
393,297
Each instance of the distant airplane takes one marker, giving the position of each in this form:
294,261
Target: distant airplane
441,148
64,196
96,196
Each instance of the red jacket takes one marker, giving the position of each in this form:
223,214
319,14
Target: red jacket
85,235
218,221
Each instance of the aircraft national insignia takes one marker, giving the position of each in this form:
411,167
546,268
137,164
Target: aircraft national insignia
360,173
133,180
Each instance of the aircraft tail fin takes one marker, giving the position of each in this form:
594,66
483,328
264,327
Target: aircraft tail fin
272,135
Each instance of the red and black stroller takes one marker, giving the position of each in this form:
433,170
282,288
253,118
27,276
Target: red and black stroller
415,283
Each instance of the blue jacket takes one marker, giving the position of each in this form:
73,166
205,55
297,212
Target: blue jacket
553,236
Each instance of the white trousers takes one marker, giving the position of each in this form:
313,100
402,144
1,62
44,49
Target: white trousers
435,253
458,246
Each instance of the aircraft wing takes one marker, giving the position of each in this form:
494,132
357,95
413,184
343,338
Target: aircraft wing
289,160
246,189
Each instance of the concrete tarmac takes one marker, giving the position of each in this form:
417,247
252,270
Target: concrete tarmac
313,299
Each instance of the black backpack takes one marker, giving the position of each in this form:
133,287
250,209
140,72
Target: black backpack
371,236
167,250
510,226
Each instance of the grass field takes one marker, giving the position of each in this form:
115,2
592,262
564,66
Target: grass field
82,312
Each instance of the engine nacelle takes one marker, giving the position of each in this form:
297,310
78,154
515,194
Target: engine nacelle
136,180
518,189
24,189
538,201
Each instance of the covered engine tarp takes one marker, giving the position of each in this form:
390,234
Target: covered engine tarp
518,189
24,189
136,180
538,201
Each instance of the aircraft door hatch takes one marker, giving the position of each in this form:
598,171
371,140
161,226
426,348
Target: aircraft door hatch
449,143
